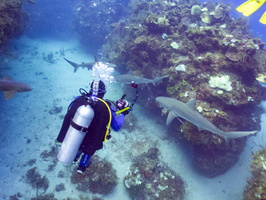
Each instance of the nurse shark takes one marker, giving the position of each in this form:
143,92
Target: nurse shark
11,87
186,111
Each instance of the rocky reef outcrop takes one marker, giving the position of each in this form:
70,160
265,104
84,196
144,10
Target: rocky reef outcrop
148,178
207,55
256,185
12,20
99,178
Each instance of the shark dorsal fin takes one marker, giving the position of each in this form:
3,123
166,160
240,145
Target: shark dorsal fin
170,117
191,103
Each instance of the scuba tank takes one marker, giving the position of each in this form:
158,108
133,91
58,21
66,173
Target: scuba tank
75,134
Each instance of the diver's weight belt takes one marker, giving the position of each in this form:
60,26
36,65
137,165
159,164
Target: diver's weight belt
78,127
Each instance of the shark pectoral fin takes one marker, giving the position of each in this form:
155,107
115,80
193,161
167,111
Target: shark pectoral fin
170,117
9,94
238,134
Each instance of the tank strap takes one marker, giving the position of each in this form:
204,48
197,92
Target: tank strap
78,127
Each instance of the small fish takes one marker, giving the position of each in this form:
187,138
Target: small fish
10,87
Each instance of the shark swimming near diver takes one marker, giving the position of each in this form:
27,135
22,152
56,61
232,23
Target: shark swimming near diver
128,79
83,65
186,111
87,65
11,87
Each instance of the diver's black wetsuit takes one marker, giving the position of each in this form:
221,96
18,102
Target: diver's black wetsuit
93,140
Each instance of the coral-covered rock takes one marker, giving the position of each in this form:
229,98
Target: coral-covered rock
99,178
256,185
149,179
12,20
38,182
193,54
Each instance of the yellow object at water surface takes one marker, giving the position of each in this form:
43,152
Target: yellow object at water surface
263,18
250,7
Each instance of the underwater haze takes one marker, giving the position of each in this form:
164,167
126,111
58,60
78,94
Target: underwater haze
203,55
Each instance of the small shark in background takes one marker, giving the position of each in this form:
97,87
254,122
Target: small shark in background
186,111
10,87
83,65
86,65
128,79
31,2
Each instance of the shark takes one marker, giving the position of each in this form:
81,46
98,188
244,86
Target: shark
83,65
87,65
128,79
11,87
186,111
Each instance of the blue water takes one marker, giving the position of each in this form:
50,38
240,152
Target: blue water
49,19
56,19
27,128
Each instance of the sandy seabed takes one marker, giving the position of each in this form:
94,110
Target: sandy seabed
28,127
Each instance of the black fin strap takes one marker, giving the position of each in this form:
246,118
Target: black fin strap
78,127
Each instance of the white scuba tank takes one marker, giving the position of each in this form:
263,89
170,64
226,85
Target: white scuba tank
75,134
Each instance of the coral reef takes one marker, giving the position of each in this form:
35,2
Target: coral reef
12,20
206,54
34,178
99,178
15,196
49,58
50,156
51,197
45,197
60,187
256,185
147,178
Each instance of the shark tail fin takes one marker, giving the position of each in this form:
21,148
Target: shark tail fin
96,59
156,79
75,65
238,134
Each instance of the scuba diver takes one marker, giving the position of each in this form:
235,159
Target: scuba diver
250,7
87,124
